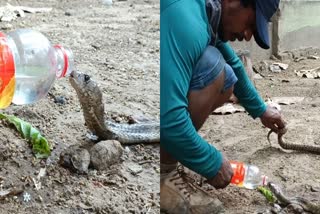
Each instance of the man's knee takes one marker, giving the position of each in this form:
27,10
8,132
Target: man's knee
207,69
230,80
212,69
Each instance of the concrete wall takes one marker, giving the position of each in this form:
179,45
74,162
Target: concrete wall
299,24
296,26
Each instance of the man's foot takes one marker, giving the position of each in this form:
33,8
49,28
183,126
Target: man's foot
179,194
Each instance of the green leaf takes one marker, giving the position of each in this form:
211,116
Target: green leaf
40,145
267,193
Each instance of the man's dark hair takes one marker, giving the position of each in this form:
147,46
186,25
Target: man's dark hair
248,3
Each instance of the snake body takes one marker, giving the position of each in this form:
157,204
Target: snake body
91,101
299,203
291,146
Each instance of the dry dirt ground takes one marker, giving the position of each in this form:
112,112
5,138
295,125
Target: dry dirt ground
118,46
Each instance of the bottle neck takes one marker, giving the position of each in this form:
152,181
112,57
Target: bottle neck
64,60
264,180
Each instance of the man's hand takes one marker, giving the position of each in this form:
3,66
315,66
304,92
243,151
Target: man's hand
224,175
272,119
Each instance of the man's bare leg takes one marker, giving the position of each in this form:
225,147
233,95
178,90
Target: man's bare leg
201,104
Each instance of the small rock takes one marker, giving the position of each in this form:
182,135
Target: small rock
157,170
75,158
96,46
275,68
313,57
276,208
261,67
127,149
298,59
7,26
39,199
87,203
315,189
105,153
118,119
257,76
60,100
282,66
134,168
67,13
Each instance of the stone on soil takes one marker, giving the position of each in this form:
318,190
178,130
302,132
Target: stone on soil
105,153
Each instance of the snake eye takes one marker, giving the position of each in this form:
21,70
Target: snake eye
86,78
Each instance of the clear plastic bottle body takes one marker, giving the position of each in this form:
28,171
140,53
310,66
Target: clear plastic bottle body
37,64
247,176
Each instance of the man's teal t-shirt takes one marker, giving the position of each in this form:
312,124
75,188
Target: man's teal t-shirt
184,35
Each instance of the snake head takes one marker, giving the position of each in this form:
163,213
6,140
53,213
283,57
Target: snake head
80,80
85,86
274,188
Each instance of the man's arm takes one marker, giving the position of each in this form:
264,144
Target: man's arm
183,38
243,89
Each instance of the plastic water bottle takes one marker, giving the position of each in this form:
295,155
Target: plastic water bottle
247,176
29,65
